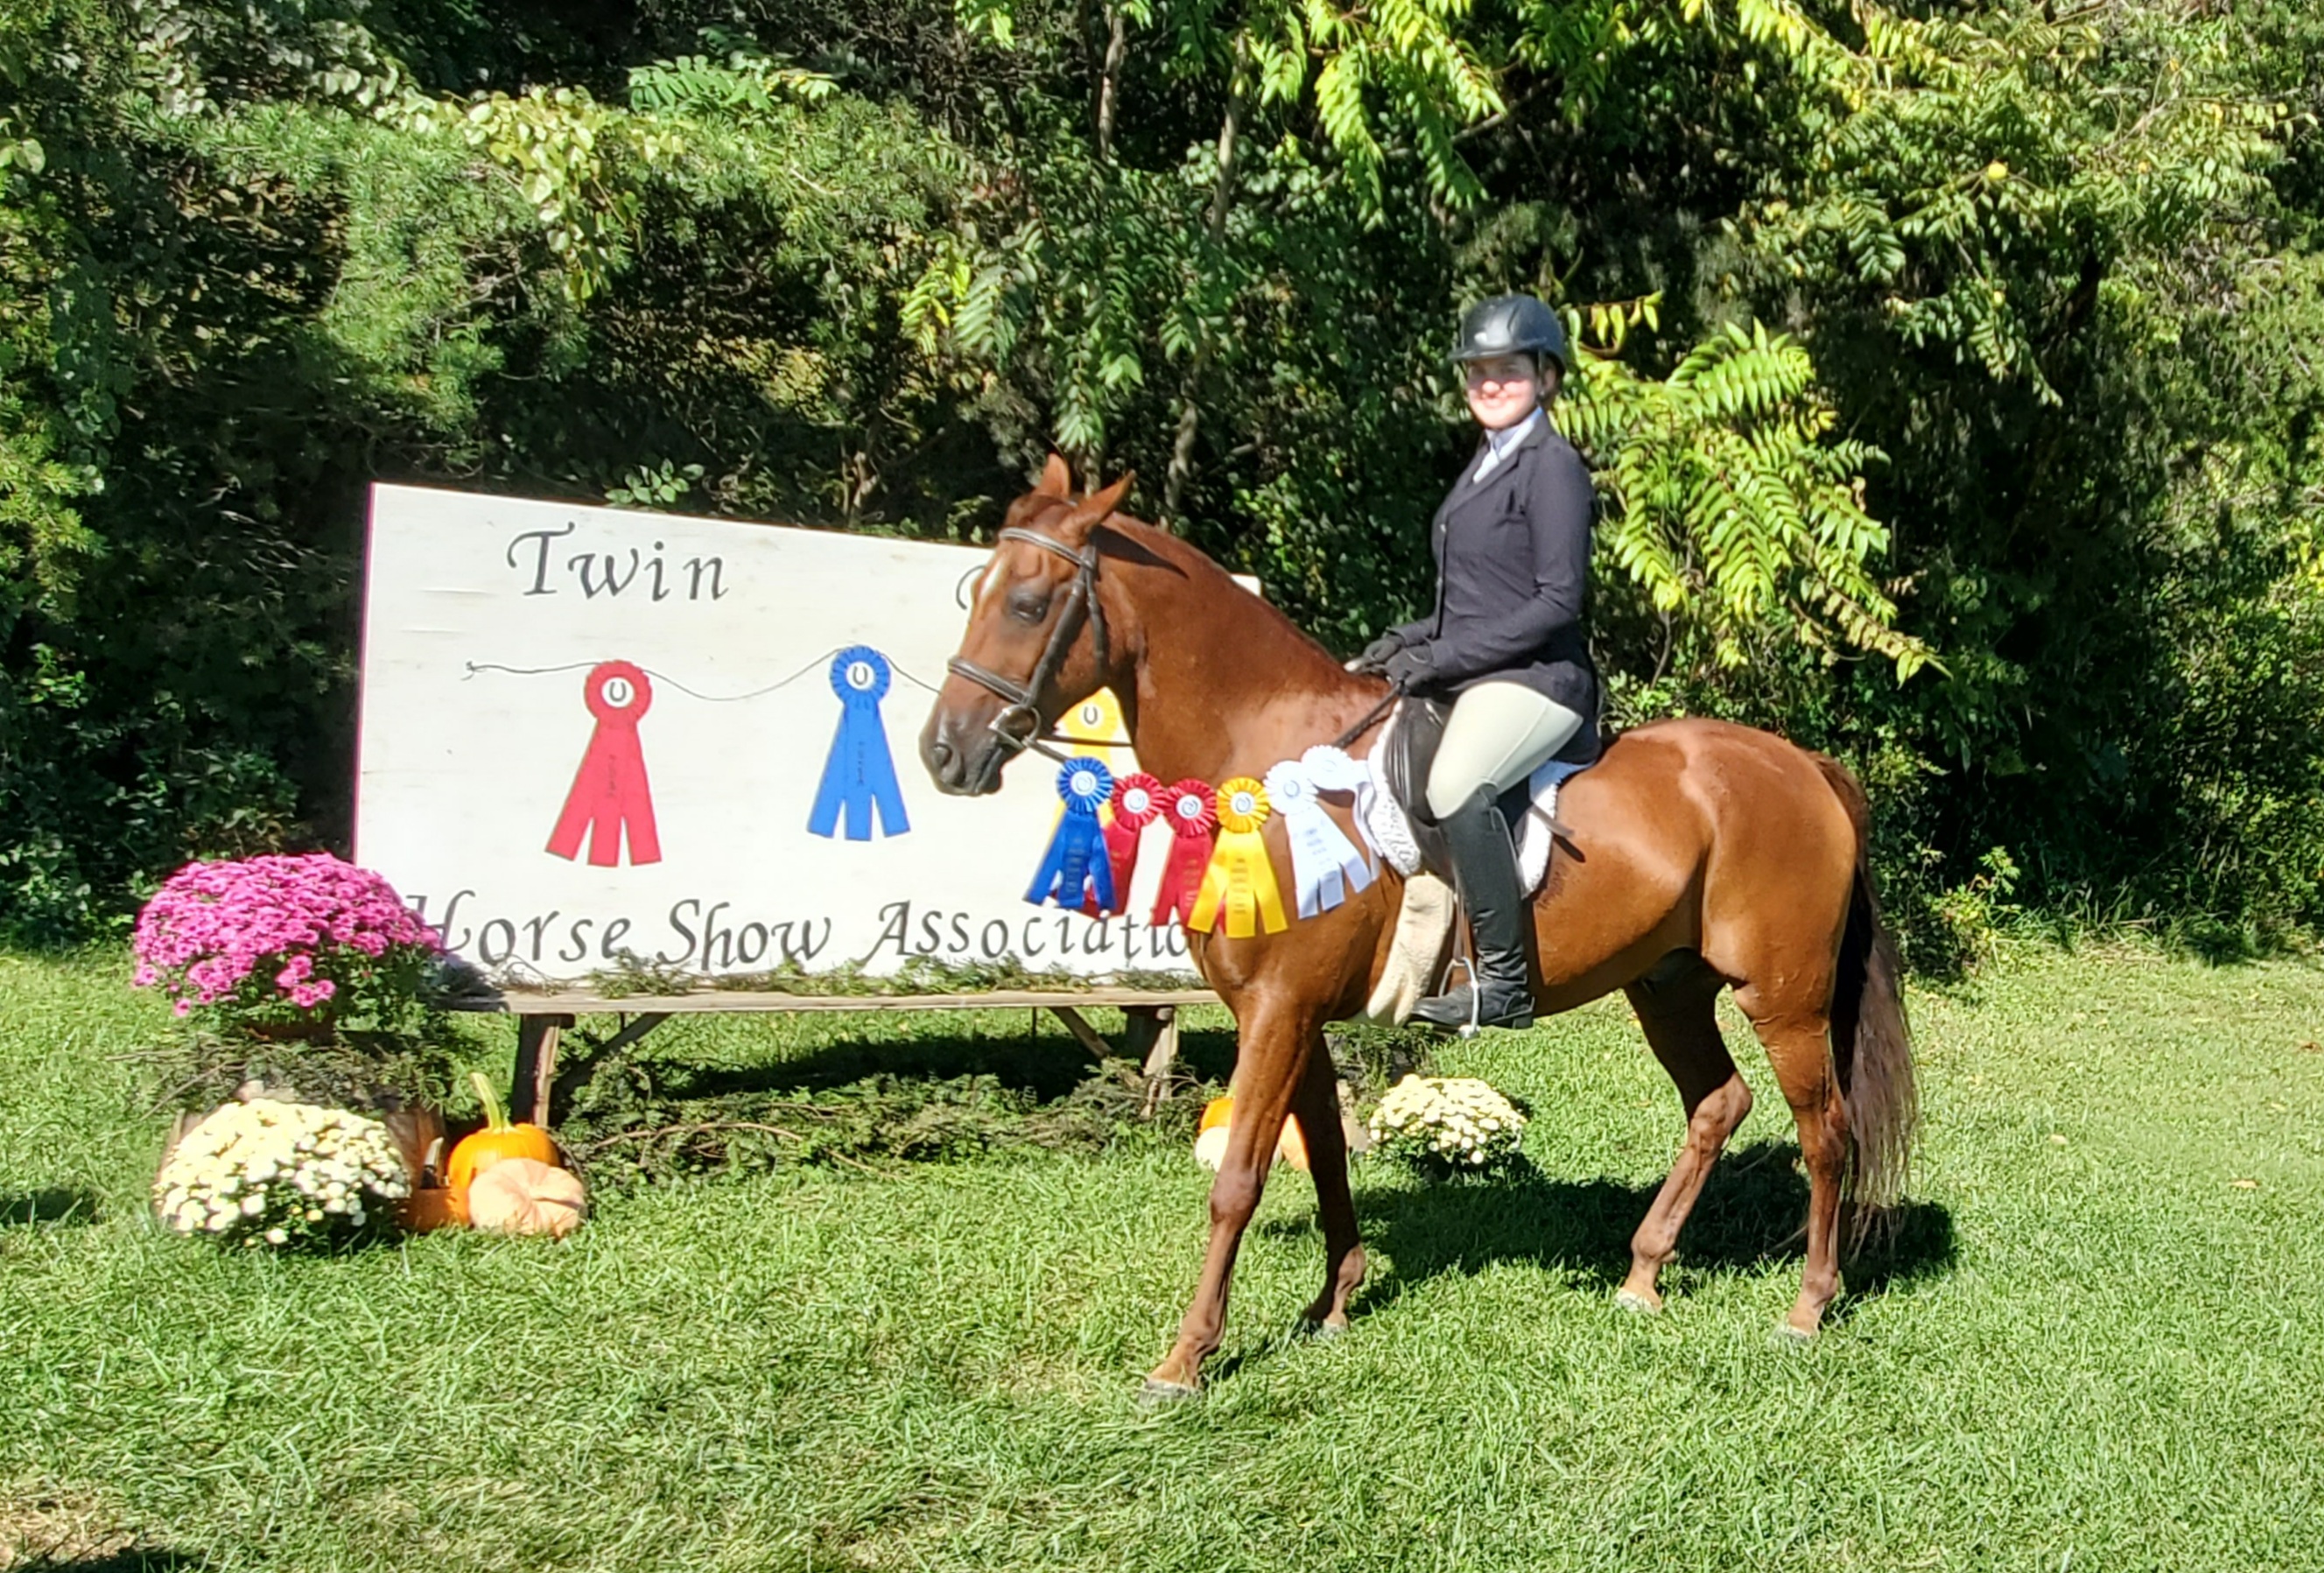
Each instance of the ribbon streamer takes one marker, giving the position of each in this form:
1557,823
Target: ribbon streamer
1077,869
1332,770
1241,881
1326,868
610,793
1193,810
859,774
1137,801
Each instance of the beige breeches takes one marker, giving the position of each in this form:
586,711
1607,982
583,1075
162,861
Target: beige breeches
1498,733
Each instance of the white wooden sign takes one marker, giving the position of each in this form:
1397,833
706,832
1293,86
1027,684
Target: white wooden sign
589,732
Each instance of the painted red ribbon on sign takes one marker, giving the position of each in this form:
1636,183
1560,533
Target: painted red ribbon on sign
610,794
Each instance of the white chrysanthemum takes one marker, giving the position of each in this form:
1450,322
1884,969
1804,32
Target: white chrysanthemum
1445,1124
258,1171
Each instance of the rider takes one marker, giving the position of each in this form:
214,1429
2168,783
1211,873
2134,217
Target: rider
1507,641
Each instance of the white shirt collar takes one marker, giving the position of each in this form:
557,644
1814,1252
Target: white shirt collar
1499,444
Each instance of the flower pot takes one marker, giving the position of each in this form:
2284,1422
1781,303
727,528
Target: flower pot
322,1029
419,1132
433,1208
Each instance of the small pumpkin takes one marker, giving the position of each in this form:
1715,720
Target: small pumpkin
433,1207
1211,1137
497,1143
523,1196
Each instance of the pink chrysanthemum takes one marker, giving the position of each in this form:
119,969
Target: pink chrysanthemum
212,926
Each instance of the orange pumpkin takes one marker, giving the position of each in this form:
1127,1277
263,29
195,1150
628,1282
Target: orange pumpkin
480,1150
1211,1137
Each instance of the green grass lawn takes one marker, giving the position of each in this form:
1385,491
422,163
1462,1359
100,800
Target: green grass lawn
2097,1343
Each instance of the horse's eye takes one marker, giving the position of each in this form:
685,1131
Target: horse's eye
1028,606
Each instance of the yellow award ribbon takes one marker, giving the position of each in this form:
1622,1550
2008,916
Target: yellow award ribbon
1239,878
1098,720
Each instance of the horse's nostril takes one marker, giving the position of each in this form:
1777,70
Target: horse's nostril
940,754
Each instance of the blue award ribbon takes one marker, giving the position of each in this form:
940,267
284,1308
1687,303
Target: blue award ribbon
859,774
1077,868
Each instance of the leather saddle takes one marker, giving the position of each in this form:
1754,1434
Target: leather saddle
1415,732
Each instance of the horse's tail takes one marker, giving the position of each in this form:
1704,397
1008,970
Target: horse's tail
1871,1041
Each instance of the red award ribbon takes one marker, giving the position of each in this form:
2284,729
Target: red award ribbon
1137,800
610,793
1193,811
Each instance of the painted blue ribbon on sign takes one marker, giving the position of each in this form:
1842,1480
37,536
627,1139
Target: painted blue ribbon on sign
1077,868
859,774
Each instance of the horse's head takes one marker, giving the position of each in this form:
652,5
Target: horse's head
1037,640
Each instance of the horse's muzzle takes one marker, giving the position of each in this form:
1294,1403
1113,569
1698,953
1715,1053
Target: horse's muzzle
963,759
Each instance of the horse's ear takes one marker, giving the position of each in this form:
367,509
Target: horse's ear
1056,481
1085,515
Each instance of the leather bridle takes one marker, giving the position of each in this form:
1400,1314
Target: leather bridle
1023,699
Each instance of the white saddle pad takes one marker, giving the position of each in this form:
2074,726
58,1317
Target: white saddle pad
1391,833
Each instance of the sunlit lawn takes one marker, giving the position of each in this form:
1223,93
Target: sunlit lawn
2096,1343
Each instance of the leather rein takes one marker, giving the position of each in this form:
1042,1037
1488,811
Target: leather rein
1022,700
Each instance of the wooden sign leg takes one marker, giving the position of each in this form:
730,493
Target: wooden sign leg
1085,1034
1156,1026
536,1067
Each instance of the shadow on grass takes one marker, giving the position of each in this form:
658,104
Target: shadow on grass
1047,1066
133,1560
1751,1214
53,1206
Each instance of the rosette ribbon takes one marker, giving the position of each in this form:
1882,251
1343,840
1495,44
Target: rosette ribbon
859,774
610,793
1326,868
1137,800
1240,883
1077,868
1192,812
1332,770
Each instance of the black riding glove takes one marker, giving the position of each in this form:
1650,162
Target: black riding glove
1410,669
1377,653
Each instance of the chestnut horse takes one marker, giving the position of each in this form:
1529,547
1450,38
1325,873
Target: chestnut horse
1705,856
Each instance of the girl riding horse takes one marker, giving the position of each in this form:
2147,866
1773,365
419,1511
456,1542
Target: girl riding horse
1512,545
1707,857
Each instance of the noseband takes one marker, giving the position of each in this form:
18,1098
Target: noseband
1023,699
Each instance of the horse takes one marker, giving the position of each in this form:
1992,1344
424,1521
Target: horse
1703,856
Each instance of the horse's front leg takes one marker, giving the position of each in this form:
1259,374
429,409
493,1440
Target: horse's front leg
1270,1059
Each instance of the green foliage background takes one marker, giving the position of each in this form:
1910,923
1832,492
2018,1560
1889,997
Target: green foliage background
1953,376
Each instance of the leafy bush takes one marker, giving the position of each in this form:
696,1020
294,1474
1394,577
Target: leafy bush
1974,345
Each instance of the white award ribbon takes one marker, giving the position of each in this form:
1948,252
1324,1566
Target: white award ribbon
1332,770
1325,865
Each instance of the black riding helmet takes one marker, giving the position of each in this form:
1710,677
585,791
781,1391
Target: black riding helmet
1511,325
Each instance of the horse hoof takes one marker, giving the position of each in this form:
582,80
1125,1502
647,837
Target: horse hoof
1787,1337
1323,1330
1637,1304
1158,1391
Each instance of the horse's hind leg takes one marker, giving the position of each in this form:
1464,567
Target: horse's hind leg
1798,1041
1675,1006
1317,1105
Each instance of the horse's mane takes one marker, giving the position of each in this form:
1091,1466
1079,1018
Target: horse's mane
1133,540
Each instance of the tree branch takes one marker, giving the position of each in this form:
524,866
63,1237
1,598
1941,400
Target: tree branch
1215,228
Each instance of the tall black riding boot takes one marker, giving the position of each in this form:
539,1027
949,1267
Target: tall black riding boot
1485,872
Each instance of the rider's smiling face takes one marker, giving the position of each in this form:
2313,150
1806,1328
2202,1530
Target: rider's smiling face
1503,390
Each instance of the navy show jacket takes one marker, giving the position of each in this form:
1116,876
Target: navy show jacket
1512,573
